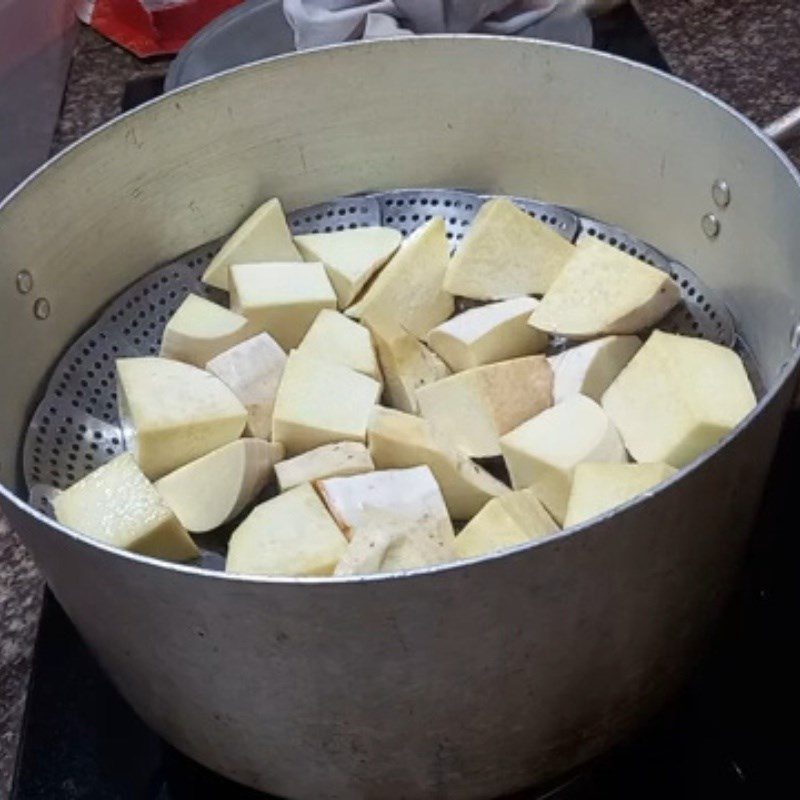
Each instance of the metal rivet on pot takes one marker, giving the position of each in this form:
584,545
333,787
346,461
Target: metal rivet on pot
794,338
41,308
24,281
721,193
710,225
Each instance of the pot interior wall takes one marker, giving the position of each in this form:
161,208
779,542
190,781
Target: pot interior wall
621,143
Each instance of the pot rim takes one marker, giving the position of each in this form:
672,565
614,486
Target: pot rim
787,372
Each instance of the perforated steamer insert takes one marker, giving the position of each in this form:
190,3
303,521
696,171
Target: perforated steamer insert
75,427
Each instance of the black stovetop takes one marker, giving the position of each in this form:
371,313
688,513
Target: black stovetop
732,734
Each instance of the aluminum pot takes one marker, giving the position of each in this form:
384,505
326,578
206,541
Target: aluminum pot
465,681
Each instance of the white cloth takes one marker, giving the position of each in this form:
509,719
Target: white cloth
320,22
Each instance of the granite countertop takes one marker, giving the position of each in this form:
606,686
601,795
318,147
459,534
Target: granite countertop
746,52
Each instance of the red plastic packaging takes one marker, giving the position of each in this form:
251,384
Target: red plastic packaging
155,27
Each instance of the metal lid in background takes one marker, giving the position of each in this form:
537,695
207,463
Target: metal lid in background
258,29
254,30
